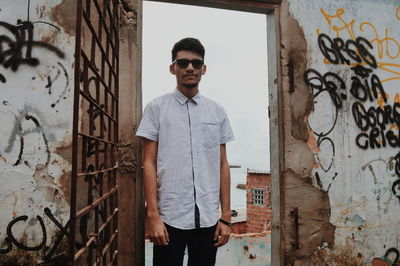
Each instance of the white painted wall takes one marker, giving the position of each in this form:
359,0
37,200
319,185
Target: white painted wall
36,122
365,203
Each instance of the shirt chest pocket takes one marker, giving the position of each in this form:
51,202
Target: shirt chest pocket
210,134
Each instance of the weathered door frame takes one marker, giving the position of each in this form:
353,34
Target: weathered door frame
271,9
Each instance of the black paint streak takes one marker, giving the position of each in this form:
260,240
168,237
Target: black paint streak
12,53
19,132
319,183
91,149
66,88
329,82
63,232
357,51
50,81
48,255
365,86
326,139
19,244
2,78
397,164
8,248
21,149
39,127
396,184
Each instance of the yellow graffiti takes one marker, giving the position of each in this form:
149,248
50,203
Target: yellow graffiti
380,101
385,46
348,26
384,42
398,12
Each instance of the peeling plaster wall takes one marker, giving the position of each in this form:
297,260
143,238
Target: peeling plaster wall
36,96
341,114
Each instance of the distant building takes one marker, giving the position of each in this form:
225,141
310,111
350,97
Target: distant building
259,212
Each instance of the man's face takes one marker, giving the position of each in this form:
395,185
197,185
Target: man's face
189,76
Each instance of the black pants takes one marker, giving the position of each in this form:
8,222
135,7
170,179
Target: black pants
200,243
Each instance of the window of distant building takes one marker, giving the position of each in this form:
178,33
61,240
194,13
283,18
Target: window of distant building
258,196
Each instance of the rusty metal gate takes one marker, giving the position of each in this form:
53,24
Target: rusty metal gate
93,232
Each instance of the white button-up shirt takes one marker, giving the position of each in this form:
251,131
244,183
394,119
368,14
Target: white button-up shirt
189,133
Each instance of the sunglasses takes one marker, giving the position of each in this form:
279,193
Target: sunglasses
184,63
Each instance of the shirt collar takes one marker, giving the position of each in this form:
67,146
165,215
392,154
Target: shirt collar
183,99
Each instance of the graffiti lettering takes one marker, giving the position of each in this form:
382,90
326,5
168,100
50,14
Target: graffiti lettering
63,232
48,255
19,244
375,116
365,86
396,184
329,82
335,50
18,132
12,53
66,88
366,90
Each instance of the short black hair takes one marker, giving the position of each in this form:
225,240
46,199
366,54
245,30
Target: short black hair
188,44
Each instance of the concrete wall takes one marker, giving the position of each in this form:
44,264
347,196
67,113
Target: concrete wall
341,118
36,96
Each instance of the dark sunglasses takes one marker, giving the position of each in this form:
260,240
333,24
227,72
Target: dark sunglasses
184,63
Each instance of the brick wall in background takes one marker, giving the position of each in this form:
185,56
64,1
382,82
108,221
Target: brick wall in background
258,215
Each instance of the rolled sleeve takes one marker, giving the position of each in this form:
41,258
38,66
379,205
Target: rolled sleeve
149,125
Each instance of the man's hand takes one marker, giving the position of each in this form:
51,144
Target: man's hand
222,234
158,233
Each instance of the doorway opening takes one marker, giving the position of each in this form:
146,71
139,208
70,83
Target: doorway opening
241,76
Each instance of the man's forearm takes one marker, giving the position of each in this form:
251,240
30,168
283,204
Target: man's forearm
150,187
225,186
150,176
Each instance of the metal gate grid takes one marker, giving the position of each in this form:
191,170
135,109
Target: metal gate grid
93,231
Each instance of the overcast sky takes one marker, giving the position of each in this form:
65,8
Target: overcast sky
236,59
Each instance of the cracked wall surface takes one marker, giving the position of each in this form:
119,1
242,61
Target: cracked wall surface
341,115
36,96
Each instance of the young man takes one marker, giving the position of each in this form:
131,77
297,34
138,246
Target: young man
186,172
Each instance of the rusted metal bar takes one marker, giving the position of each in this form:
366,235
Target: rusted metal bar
112,22
75,129
113,237
89,99
101,17
93,238
115,212
97,139
93,31
114,258
96,88
98,76
95,203
97,172
81,251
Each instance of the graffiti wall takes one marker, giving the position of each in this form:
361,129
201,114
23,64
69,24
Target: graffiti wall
352,77
36,89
